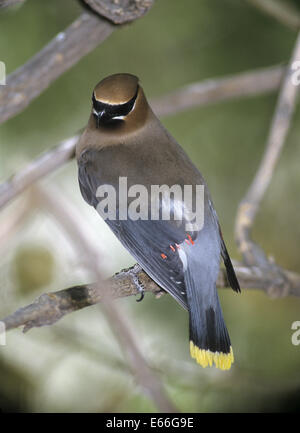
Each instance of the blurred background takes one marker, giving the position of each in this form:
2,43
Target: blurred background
77,365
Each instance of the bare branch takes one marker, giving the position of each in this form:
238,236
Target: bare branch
215,90
64,51
249,206
283,12
219,89
121,11
51,307
37,169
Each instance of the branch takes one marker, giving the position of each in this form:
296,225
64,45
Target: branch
249,206
51,307
203,93
63,52
37,169
214,90
283,12
120,11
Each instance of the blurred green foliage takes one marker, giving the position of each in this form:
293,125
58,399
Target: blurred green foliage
33,267
174,44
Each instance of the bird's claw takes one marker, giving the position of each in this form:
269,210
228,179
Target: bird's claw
133,273
137,284
141,296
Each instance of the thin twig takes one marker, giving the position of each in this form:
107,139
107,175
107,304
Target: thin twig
59,55
249,206
208,91
282,11
37,169
68,218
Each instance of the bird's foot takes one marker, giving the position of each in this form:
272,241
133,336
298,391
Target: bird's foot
133,274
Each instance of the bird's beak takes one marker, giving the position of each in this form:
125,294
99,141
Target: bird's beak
98,116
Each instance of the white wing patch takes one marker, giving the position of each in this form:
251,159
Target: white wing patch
183,258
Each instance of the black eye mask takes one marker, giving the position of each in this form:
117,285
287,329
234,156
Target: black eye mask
110,111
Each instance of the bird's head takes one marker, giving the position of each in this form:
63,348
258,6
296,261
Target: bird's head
114,99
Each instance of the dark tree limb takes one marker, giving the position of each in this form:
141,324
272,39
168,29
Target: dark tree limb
120,11
63,52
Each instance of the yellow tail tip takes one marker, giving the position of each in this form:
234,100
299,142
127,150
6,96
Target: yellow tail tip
206,357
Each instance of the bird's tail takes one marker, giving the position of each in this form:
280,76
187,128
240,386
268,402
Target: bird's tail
209,338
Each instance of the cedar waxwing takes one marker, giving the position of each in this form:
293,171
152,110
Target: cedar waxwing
124,140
